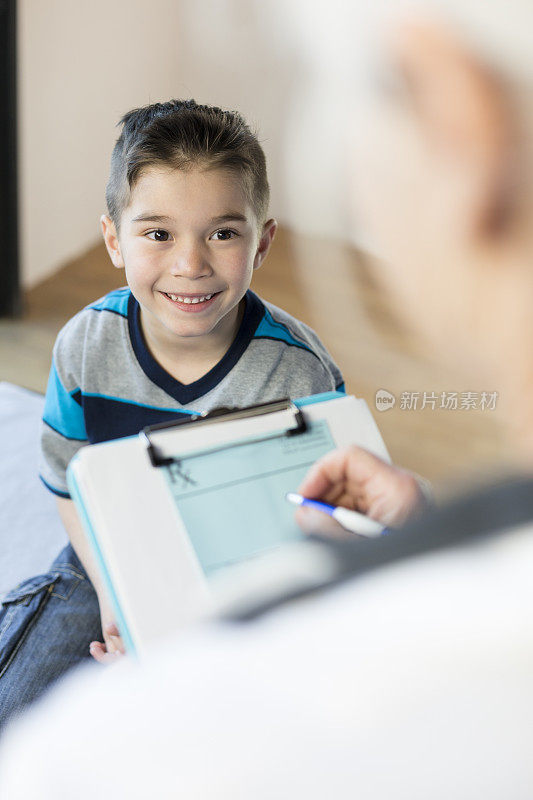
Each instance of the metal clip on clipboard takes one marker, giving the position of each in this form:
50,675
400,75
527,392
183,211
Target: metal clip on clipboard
224,414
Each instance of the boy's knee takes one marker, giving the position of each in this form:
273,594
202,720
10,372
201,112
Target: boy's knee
21,608
46,625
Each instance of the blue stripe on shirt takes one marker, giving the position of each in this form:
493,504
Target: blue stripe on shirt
269,329
61,411
116,301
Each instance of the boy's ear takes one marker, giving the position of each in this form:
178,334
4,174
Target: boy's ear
111,241
267,237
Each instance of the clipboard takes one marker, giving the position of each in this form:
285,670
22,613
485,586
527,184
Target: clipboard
169,511
226,415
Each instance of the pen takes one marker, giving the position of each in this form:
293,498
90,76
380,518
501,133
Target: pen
351,520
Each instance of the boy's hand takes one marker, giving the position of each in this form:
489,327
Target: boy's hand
356,479
112,648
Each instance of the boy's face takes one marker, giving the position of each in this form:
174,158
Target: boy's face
189,242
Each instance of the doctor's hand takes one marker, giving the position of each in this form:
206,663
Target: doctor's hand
355,478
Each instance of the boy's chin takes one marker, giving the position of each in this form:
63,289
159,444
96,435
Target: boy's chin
192,330
196,329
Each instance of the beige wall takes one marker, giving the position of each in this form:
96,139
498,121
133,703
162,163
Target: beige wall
82,65
274,60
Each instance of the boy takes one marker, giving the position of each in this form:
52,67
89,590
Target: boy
187,220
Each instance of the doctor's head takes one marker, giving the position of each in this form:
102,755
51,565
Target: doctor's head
438,137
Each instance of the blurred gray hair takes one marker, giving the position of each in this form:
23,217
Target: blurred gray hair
346,33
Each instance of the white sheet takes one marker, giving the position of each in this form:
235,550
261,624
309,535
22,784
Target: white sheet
31,534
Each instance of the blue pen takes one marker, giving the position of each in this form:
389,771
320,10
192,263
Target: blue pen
351,520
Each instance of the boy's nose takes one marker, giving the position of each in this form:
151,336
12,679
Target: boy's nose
191,262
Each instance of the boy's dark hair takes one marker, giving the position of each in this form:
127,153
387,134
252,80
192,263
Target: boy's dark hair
183,134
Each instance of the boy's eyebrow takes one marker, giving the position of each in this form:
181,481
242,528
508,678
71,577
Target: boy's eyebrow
236,215
151,217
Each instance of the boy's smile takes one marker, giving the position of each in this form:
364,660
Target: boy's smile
189,241
191,303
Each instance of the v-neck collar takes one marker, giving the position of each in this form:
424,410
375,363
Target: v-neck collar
186,393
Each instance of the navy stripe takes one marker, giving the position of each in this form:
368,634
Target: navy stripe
51,488
188,393
107,418
148,406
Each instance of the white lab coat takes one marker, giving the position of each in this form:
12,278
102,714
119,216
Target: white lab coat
414,681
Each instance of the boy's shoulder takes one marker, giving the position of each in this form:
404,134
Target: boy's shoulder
93,323
278,325
114,303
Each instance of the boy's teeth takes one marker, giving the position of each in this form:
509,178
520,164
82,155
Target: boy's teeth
190,299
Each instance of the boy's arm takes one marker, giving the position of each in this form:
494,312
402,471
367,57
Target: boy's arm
78,539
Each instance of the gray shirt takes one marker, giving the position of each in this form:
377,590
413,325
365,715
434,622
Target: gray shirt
104,382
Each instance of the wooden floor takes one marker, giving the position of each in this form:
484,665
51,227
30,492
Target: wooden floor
330,287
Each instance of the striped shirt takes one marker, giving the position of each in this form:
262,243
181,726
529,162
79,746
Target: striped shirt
104,383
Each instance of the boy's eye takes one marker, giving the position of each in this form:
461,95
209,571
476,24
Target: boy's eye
159,235
223,235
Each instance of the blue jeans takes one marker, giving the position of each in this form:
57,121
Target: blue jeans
46,625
